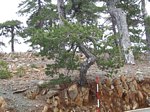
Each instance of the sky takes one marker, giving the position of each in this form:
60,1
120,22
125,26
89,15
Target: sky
8,9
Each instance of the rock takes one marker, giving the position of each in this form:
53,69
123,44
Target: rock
126,97
73,91
45,108
134,105
140,96
119,90
40,83
126,107
85,95
140,77
116,82
146,90
32,92
129,79
108,82
123,78
125,86
135,84
3,104
148,101
139,72
132,87
79,100
51,93
56,101
55,109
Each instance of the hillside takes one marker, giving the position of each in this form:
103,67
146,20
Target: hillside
22,93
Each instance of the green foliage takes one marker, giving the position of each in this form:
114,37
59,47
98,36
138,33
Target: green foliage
53,42
4,72
139,50
57,81
60,80
85,11
41,14
110,57
147,22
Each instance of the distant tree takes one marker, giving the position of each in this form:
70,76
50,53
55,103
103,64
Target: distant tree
11,29
41,15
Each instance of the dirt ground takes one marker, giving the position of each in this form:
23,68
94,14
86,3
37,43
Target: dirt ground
21,92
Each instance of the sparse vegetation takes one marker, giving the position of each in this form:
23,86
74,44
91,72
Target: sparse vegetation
20,71
4,72
33,66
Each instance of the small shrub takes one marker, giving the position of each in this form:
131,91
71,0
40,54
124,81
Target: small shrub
4,72
60,80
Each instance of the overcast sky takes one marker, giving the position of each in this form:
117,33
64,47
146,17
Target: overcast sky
8,9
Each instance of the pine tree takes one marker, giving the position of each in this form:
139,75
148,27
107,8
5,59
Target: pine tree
78,31
11,29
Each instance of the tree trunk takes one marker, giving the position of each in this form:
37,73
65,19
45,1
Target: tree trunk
121,22
61,11
145,15
12,40
39,23
86,64
117,43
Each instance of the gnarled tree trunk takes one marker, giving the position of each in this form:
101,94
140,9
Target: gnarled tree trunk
122,26
86,64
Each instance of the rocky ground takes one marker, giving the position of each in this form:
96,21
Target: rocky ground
129,89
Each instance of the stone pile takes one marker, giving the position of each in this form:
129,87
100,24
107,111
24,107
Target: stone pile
116,95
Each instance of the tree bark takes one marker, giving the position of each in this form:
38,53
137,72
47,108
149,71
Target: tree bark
122,26
117,43
40,23
12,39
61,11
144,12
91,59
